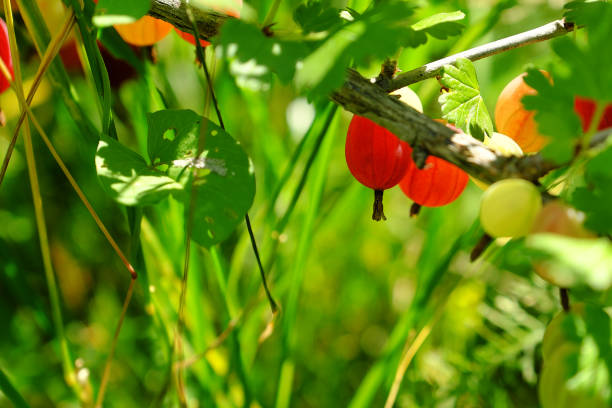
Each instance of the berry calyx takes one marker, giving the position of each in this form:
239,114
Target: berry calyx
513,120
509,208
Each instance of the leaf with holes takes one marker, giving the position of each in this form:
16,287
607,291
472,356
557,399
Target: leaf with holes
463,105
127,177
224,179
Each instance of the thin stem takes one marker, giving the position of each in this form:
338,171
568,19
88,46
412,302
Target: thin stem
111,353
50,53
211,92
273,305
26,108
430,70
271,13
409,354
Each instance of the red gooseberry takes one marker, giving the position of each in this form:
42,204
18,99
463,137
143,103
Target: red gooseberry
438,183
585,108
376,158
5,54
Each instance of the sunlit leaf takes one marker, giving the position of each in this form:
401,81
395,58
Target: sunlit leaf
462,104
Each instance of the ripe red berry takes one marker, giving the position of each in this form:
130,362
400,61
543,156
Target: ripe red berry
376,158
439,183
585,108
5,54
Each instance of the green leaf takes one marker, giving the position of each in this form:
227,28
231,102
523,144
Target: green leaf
462,104
109,12
574,261
317,16
373,36
441,25
581,69
224,179
554,106
127,178
246,43
595,196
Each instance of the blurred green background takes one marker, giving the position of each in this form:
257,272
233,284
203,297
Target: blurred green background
362,289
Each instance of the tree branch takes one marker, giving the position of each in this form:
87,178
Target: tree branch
362,97
432,69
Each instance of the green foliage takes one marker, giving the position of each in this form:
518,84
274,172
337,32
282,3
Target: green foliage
224,182
577,261
594,196
462,103
377,33
109,12
317,16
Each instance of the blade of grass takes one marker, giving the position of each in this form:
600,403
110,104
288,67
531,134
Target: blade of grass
11,392
39,33
69,372
431,270
283,396
47,58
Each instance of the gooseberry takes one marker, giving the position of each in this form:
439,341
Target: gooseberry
509,208
561,347
376,158
558,218
5,54
438,183
513,120
145,31
585,108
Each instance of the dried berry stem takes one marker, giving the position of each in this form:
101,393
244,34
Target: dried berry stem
377,213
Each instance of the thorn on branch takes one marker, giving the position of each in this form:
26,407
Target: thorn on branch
419,156
267,30
565,303
480,247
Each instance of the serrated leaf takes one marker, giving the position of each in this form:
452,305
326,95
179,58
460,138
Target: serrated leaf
595,196
581,69
554,106
109,12
224,179
441,25
574,261
462,104
127,178
317,16
245,42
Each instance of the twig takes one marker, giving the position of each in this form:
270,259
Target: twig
430,70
